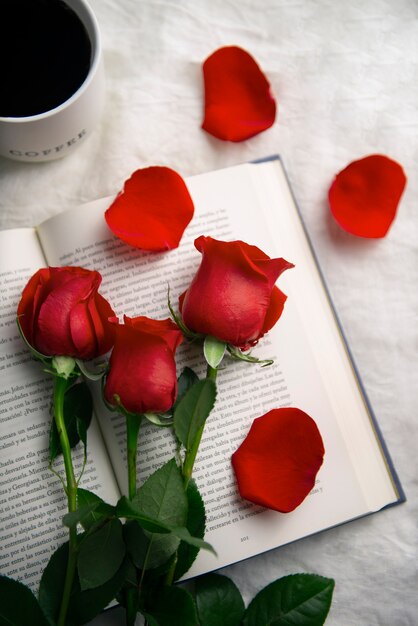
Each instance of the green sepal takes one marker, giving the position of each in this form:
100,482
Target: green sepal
162,421
64,366
237,354
119,408
189,334
213,351
292,600
97,374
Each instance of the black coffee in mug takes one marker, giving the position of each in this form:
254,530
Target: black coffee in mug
45,55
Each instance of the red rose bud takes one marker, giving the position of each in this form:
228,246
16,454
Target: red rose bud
61,313
152,211
233,296
278,461
142,369
365,195
238,100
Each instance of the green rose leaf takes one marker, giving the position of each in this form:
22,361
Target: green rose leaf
218,600
149,550
213,350
195,524
186,380
130,510
160,503
18,605
183,534
162,497
52,583
193,410
100,555
92,509
78,410
100,509
152,542
84,605
160,550
296,600
172,605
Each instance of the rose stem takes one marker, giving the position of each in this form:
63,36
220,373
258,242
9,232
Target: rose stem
190,458
188,464
133,423
60,386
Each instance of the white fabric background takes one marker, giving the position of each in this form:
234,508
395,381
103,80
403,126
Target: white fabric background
345,75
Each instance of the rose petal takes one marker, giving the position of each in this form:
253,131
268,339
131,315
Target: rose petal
165,329
278,461
152,211
29,304
275,309
65,309
238,100
365,195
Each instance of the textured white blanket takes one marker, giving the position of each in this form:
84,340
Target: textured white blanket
345,75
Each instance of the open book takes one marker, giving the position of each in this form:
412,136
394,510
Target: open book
312,370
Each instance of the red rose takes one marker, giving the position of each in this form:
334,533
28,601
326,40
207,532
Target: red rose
233,296
142,369
278,461
61,313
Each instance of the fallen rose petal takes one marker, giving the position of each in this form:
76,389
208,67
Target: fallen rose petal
152,211
278,461
238,100
365,195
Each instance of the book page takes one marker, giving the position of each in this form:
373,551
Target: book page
31,496
327,344
230,204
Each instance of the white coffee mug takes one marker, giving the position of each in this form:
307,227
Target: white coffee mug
56,133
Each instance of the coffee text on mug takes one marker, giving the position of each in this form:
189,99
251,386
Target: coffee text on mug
55,149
